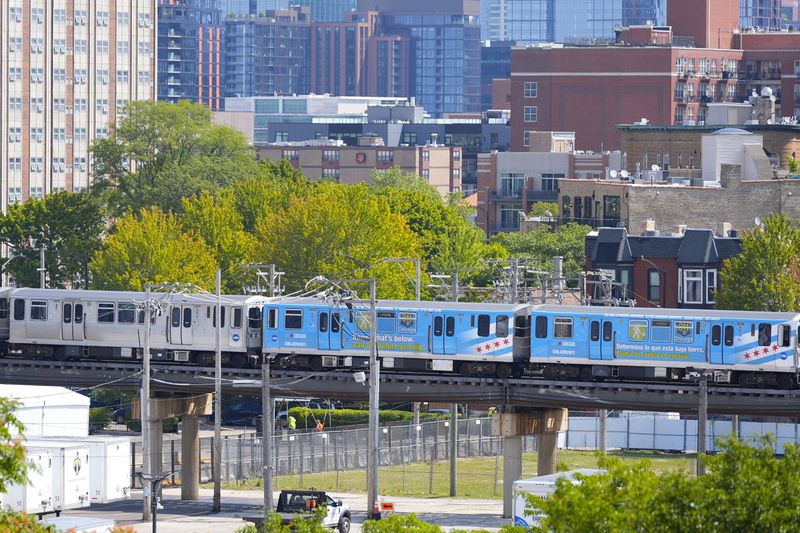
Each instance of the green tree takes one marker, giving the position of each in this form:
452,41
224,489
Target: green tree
151,247
541,209
794,166
216,220
13,467
765,276
339,231
395,178
69,225
747,488
544,243
270,189
160,152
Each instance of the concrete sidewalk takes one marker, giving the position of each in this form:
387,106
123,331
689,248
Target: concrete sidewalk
196,516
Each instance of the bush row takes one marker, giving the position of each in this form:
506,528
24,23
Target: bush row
307,418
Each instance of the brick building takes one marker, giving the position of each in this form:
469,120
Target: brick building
677,270
67,70
440,166
667,75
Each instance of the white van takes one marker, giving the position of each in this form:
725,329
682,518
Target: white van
542,487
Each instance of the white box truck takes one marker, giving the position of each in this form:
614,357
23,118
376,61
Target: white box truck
110,460
35,497
71,481
542,487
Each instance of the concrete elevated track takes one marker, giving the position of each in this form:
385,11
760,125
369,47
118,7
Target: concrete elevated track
524,392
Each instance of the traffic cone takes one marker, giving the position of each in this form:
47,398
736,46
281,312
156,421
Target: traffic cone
376,512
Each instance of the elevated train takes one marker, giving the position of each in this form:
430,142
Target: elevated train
473,339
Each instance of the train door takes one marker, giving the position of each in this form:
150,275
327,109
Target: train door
714,344
180,324
594,340
72,321
607,341
444,334
329,336
728,343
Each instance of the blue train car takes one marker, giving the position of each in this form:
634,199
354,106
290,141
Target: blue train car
473,339
748,348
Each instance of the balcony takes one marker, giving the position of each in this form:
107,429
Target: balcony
509,194
593,222
542,196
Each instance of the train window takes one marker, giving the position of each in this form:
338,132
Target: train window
764,334
437,326
176,317
595,330
483,325
293,319
126,313
78,313
728,335
214,317
661,331
254,318
684,331
19,309
541,327
501,327
3,309
272,318
323,322
608,331
385,322
716,335
522,326
67,313
562,327
187,317
38,310
407,323
450,326
236,321
785,335
105,313
637,330
335,322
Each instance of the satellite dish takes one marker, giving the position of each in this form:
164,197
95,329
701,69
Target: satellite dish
654,168
614,173
624,173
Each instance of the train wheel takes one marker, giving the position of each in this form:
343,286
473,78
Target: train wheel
239,360
59,354
585,374
503,371
316,364
468,369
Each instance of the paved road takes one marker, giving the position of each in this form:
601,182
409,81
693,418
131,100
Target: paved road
195,516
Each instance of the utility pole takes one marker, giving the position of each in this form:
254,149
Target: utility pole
702,419
374,384
513,265
454,449
145,414
603,433
418,285
42,269
217,504
266,414
415,406
455,286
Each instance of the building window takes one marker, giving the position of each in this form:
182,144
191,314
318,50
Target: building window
426,174
386,156
526,138
531,89
281,136
509,217
680,66
331,173
426,155
679,115
531,113
330,155
410,138
291,155
654,286
611,208
693,286
511,185
550,182
711,286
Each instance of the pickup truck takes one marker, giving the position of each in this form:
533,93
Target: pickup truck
294,502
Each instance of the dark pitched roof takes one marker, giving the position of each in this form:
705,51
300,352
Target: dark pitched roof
611,246
650,246
697,246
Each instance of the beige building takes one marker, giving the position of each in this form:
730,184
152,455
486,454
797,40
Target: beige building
440,166
67,68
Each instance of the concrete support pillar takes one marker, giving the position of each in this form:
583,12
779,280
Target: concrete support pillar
190,458
546,452
512,470
156,447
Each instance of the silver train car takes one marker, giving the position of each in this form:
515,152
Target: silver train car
80,324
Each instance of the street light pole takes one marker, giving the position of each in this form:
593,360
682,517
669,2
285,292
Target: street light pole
145,400
662,289
374,395
267,418
217,505
42,269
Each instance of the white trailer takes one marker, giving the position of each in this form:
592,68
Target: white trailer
542,487
71,468
36,496
110,460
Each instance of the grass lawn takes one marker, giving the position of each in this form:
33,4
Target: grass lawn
476,477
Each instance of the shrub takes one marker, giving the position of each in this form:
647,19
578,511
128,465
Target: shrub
307,418
99,418
23,523
396,523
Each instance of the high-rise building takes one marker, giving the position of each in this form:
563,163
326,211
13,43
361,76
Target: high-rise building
268,55
495,64
338,54
388,68
249,7
445,46
328,10
493,20
68,68
190,52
